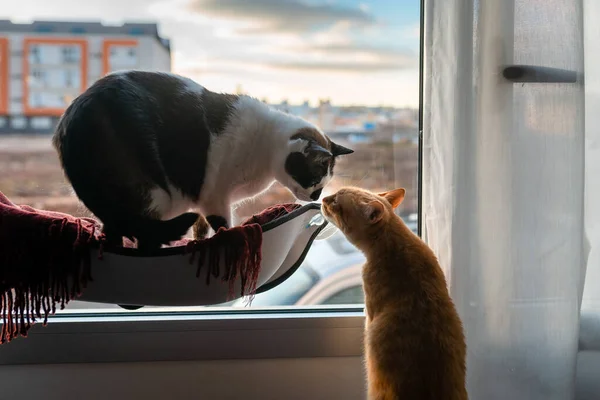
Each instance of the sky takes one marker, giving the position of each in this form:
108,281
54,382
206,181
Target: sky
351,52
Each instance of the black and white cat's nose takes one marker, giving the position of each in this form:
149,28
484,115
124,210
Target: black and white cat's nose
316,194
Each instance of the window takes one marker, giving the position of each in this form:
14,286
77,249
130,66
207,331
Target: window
510,181
45,98
41,123
56,71
287,293
122,56
54,54
38,74
69,81
18,123
71,54
350,295
363,91
39,77
35,100
34,53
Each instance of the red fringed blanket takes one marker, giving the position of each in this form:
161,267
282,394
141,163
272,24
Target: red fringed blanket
45,259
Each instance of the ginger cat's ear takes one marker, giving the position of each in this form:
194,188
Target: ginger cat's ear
374,211
395,197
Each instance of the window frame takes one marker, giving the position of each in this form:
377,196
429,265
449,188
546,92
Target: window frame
191,336
210,334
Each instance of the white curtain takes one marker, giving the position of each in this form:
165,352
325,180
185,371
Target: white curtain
503,188
590,309
588,367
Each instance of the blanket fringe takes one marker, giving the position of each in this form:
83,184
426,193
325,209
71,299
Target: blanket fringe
45,261
40,272
237,250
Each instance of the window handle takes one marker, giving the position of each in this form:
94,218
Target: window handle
536,74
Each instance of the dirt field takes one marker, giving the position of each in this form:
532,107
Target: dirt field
30,174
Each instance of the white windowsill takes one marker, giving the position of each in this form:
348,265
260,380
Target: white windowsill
136,337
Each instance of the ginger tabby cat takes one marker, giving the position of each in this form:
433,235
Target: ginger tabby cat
414,342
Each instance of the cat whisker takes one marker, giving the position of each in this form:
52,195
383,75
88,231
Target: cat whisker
365,176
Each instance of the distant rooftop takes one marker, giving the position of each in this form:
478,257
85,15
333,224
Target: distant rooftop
85,28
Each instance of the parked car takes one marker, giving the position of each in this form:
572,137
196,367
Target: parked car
330,274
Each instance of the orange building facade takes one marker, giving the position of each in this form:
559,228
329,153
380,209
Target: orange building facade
45,65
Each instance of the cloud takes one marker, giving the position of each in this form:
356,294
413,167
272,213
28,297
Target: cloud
342,67
337,46
291,16
413,31
292,49
376,52
225,69
397,87
222,66
326,58
112,11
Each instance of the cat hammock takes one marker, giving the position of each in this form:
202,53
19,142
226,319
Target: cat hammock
49,258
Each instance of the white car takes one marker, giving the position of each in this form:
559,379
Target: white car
329,275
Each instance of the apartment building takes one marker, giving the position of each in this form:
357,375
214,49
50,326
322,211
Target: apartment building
44,65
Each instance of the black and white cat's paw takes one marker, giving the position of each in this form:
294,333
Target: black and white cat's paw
165,232
217,222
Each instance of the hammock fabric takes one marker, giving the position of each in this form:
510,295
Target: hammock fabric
45,259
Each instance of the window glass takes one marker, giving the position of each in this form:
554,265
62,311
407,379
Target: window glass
123,57
350,67
55,67
351,295
288,292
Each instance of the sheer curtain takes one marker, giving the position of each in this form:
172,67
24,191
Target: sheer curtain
588,367
590,308
503,188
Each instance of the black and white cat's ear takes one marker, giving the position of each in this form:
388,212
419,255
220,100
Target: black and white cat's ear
318,151
339,150
373,211
298,145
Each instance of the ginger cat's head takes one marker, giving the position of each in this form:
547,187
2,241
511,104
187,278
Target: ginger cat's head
361,214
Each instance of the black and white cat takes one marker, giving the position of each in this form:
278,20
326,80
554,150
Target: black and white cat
142,149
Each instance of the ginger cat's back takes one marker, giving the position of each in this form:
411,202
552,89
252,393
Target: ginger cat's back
414,342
